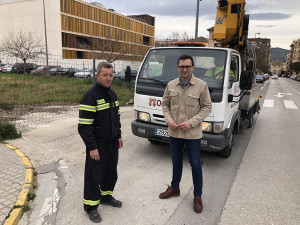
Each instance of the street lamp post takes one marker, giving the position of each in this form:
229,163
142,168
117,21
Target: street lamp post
256,34
45,33
197,16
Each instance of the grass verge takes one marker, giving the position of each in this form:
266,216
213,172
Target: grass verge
26,89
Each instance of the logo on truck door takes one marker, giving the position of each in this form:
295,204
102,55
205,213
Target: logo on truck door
154,102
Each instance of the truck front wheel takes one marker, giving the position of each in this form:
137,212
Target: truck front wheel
152,141
226,152
250,119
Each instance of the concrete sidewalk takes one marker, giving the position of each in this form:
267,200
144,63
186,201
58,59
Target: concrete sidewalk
16,182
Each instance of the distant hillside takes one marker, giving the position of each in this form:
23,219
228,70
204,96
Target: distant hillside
279,54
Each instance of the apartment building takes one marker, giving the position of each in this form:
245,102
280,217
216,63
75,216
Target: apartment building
294,54
79,30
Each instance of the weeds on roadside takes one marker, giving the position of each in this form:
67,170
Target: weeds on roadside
25,89
8,131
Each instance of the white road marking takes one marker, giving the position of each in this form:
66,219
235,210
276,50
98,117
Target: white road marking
289,86
280,95
289,104
268,103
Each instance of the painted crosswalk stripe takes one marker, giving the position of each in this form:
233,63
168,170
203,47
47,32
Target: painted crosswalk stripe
289,104
269,103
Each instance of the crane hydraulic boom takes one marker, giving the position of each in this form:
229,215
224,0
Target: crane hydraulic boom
231,25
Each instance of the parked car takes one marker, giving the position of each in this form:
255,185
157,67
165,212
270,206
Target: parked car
7,68
121,75
274,76
69,72
296,77
259,78
85,73
41,69
19,67
53,71
266,76
2,67
292,77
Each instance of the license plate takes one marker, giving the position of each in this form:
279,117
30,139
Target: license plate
161,132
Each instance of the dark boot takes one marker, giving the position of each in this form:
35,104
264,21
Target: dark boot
112,202
198,207
170,192
94,216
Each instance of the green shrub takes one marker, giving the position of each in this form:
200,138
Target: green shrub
6,106
8,131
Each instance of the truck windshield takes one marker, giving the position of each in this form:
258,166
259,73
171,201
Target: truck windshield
160,65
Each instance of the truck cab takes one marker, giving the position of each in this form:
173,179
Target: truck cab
160,66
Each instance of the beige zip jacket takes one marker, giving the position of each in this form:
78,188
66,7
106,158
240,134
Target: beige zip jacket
192,103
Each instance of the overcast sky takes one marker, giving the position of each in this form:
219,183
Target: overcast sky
277,20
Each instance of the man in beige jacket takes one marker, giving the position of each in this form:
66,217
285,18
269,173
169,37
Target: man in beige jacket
186,103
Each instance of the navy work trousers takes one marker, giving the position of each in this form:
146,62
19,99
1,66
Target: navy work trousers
100,177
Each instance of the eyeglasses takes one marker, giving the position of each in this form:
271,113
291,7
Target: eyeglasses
184,67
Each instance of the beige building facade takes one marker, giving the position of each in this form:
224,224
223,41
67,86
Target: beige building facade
78,30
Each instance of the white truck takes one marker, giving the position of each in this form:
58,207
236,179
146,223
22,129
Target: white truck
234,93
234,97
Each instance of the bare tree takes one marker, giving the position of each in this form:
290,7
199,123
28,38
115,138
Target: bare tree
175,36
23,45
184,36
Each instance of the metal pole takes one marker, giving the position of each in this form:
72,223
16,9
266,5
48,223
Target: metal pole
94,69
45,33
197,17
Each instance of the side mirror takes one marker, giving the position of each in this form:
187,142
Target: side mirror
230,98
246,80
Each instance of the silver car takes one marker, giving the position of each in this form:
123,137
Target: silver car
86,73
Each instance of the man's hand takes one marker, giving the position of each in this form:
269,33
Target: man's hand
94,154
185,126
121,144
172,125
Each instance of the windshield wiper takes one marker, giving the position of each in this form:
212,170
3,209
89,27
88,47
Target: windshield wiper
157,81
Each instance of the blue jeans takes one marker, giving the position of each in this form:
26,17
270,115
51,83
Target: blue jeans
193,147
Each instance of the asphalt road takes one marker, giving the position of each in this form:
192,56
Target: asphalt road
58,154
266,188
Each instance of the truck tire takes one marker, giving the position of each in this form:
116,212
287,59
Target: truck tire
226,152
250,119
152,141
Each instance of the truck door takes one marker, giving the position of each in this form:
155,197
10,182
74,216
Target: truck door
233,81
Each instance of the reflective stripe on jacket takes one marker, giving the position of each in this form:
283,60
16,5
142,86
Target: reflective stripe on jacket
99,116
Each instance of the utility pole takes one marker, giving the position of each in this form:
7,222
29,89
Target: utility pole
45,33
197,18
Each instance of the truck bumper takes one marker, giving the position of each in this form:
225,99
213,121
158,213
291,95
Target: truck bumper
209,142
146,130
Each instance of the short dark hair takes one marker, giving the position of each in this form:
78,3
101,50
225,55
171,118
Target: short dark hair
184,57
103,65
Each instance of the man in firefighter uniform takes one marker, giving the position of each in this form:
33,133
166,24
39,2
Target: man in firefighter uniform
100,129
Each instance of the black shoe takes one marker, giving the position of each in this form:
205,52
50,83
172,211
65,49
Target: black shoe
94,216
112,202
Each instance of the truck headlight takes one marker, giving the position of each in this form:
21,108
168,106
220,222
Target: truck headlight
218,127
143,116
206,126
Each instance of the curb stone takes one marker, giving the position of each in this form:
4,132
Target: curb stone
15,214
